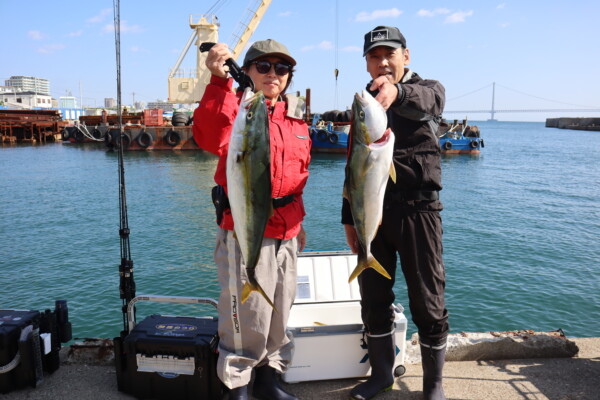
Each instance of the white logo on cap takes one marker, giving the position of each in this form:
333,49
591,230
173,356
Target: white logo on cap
379,35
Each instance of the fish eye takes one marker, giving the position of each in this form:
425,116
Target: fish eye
361,115
250,115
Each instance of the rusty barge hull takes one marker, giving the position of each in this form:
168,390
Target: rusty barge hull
30,126
135,137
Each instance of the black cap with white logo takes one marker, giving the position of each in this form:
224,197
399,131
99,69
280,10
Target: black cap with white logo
384,36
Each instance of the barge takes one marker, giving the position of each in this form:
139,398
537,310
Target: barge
146,130
30,126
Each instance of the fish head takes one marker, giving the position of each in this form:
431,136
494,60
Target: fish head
250,100
252,110
370,115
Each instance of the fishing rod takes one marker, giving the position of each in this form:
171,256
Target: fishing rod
126,282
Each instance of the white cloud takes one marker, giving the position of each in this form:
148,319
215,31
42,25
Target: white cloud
501,6
504,25
365,16
51,48
75,34
432,13
125,28
285,14
100,17
138,49
324,45
458,17
36,35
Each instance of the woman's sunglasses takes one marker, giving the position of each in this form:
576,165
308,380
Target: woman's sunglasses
264,67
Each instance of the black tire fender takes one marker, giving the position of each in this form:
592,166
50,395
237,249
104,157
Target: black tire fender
144,139
126,140
79,137
322,135
172,138
448,145
333,138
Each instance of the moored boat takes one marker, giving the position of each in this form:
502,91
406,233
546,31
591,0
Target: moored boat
329,132
459,138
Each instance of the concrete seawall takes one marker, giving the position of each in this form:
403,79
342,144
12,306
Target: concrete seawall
547,366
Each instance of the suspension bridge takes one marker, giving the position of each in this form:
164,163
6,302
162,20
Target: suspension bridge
493,110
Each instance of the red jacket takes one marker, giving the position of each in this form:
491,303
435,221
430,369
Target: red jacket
290,152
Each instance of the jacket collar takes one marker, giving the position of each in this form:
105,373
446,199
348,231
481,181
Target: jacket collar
291,107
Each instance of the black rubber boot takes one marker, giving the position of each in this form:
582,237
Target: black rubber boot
267,387
382,355
239,393
433,363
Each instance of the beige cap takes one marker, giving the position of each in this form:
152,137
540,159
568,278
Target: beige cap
268,47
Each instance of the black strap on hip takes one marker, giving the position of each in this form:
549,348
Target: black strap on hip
283,201
415,195
221,201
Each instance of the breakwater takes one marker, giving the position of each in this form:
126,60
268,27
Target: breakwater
581,124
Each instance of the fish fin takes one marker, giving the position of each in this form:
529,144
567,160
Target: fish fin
393,172
249,288
373,263
364,263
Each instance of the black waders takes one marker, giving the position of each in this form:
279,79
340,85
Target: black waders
266,385
432,359
382,355
239,393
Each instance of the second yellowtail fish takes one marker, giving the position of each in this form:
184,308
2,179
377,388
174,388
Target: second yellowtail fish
370,163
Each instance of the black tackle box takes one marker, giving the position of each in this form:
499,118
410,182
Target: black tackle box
169,357
20,354
30,342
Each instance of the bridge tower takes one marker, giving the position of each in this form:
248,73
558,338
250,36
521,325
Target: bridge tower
493,98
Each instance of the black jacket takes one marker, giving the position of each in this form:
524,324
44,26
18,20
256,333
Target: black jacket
414,118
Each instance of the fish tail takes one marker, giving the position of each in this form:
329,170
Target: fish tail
249,288
364,263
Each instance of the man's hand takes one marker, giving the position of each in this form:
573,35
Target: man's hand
388,93
351,238
215,60
301,239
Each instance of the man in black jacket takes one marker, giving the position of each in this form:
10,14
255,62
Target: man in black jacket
411,225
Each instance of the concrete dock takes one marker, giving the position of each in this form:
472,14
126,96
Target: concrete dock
569,378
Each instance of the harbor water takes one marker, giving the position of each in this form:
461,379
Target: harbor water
521,228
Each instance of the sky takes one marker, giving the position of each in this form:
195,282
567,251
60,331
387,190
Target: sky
542,55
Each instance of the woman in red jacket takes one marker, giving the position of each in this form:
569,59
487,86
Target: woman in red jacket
253,335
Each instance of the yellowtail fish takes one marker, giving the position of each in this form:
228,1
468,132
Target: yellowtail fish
249,183
369,165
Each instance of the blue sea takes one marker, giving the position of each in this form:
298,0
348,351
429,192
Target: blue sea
521,230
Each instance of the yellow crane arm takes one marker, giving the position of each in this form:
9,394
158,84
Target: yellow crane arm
248,25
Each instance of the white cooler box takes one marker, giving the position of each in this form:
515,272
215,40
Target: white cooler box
326,324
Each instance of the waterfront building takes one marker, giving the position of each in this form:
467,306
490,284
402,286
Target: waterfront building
110,102
25,100
164,105
29,84
67,102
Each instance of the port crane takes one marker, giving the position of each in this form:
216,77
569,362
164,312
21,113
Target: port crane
205,28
